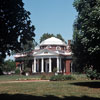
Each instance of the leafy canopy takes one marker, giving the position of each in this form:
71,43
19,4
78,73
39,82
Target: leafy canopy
47,35
15,26
8,65
86,37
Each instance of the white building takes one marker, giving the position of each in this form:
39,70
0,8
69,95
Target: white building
49,55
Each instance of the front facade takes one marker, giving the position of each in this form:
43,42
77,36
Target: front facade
52,55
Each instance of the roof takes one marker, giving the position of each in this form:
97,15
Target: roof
53,41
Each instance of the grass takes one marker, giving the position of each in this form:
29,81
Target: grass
18,77
65,90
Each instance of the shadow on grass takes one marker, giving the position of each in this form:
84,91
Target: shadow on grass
88,84
47,97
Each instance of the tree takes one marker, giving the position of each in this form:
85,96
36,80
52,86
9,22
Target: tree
86,38
28,46
60,37
15,27
8,65
47,35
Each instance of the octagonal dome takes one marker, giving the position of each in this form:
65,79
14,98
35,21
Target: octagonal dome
53,41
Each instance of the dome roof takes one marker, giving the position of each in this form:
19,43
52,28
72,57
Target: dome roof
52,41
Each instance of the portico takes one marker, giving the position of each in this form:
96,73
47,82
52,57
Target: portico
46,64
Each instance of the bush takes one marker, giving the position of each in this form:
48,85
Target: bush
17,71
69,77
43,77
9,65
61,78
92,74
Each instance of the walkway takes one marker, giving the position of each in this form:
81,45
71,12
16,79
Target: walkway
20,81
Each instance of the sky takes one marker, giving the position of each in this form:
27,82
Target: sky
51,16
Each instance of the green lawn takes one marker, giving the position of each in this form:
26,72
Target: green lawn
18,77
64,90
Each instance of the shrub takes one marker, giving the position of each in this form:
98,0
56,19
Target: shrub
92,74
61,78
17,71
55,69
69,77
43,77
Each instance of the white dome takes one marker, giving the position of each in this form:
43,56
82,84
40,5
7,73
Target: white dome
52,41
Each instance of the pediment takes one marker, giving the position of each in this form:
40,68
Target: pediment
45,52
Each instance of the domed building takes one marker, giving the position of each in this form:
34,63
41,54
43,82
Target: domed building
50,55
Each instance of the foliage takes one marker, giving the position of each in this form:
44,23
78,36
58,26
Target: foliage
46,76
55,69
86,37
28,46
1,73
79,76
17,71
8,65
43,77
92,74
60,37
61,77
47,35
27,70
15,26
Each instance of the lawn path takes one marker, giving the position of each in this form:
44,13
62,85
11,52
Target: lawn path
20,81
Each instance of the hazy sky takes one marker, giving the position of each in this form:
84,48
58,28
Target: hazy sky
51,16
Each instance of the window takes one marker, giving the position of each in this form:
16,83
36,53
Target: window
58,48
48,46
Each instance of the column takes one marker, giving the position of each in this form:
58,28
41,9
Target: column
60,65
57,64
34,70
42,65
50,65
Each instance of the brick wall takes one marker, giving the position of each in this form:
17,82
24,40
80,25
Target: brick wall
68,62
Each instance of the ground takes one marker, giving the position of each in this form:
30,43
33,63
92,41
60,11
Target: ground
60,90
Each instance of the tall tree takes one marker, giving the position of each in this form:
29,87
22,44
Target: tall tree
15,26
59,36
86,38
47,35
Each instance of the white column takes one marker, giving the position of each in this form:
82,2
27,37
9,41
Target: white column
60,65
34,70
42,65
57,64
50,65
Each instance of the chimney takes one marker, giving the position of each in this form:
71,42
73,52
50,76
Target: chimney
69,42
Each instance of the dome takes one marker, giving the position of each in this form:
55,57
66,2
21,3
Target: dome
52,41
